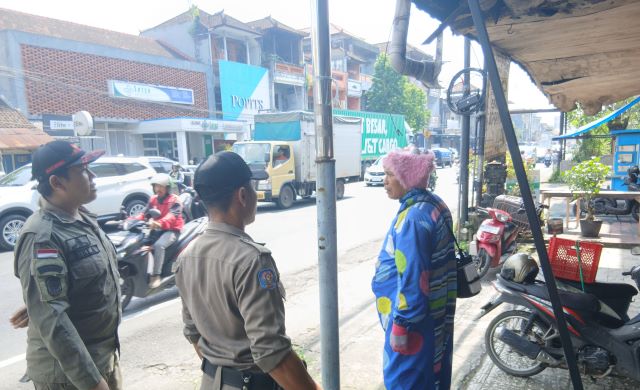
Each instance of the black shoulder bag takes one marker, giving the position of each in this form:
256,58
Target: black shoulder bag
467,272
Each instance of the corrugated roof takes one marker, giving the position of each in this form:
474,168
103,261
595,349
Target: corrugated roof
574,50
271,23
19,21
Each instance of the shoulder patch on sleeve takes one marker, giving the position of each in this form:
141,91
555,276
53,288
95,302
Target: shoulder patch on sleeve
268,278
261,248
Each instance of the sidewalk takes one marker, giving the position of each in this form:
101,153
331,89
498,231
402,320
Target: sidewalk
361,336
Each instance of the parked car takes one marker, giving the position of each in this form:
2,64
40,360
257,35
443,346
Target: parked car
444,157
160,164
374,174
121,182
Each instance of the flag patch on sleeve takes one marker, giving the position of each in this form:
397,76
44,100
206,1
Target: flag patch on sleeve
46,253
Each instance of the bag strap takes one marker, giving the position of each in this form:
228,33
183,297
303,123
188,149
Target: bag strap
433,203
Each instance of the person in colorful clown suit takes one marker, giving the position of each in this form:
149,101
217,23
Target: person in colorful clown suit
415,279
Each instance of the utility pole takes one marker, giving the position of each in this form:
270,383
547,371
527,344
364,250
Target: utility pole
463,209
325,197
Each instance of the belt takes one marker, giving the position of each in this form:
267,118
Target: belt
244,380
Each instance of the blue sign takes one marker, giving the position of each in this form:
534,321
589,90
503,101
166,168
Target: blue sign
244,90
150,93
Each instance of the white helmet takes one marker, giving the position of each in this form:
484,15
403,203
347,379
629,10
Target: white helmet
162,179
520,268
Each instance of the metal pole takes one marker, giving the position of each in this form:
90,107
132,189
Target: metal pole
480,118
325,198
563,129
463,210
534,222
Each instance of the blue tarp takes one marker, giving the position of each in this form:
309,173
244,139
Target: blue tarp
277,131
599,122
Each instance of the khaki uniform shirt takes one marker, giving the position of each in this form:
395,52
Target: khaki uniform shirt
233,300
69,274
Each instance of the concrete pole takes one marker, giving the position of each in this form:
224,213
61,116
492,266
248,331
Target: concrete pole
325,197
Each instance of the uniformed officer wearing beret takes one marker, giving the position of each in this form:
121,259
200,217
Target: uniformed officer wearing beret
69,276
233,307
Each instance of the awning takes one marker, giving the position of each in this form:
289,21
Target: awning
24,139
574,50
599,122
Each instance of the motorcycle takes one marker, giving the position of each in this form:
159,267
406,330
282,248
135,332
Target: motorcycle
607,206
524,341
495,239
547,161
132,249
192,206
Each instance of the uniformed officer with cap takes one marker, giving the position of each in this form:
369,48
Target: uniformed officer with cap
68,270
233,307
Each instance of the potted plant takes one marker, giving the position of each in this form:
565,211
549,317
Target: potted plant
585,180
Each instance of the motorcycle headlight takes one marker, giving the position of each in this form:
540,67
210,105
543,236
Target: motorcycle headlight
264,185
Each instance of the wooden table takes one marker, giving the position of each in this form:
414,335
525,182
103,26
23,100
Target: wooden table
546,195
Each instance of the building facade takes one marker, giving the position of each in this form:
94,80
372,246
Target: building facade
51,69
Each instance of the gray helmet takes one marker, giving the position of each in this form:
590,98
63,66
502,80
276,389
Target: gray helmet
520,268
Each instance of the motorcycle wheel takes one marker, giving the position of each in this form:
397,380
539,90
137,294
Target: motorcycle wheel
483,262
126,291
507,358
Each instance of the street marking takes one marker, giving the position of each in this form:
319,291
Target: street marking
12,360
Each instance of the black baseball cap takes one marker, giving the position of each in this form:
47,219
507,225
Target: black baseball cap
55,155
222,173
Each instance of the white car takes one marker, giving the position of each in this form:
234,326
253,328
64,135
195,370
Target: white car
120,181
374,175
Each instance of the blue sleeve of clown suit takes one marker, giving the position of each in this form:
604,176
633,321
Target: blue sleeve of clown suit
413,259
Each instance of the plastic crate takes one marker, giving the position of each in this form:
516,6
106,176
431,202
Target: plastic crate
564,259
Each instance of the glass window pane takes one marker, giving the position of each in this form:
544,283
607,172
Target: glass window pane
104,170
130,168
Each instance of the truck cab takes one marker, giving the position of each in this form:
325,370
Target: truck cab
278,160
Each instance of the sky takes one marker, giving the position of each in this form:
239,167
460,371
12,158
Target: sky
367,19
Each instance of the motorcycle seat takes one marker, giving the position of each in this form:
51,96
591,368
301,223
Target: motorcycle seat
574,300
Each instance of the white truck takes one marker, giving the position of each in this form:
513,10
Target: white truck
284,144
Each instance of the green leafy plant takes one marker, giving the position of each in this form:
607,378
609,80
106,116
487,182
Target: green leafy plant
586,178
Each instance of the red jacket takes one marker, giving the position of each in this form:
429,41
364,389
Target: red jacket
170,212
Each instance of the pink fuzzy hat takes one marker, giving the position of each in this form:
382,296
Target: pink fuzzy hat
412,170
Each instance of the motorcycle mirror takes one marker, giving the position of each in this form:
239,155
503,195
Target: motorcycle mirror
154,213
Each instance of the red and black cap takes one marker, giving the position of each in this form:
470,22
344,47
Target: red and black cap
55,155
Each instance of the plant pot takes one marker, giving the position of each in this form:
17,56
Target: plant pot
590,228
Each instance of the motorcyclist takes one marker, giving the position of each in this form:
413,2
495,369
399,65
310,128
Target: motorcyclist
178,177
166,228
547,158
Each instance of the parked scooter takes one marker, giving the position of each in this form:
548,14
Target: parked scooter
131,242
495,239
523,341
607,206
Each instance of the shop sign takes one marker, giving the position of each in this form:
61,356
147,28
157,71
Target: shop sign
244,90
354,88
58,125
150,93
288,78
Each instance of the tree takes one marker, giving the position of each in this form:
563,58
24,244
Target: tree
596,147
387,92
414,107
392,93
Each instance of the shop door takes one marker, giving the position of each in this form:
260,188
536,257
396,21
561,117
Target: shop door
208,145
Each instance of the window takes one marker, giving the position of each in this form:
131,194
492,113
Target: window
104,170
161,167
131,168
236,51
281,155
19,177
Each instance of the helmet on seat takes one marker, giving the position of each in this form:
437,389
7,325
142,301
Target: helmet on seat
520,268
162,179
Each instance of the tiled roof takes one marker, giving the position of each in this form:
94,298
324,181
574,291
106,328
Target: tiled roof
209,20
16,132
269,23
19,21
